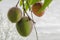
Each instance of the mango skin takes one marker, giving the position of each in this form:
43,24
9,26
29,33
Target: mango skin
35,9
24,26
14,14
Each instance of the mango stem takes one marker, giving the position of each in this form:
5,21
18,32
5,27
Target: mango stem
17,3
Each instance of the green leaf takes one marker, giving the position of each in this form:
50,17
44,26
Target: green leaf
21,2
46,3
26,6
33,1
0,0
30,2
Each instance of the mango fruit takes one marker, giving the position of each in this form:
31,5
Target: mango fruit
24,26
14,14
35,9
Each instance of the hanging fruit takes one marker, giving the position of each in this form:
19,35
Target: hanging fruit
14,14
24,26
35,9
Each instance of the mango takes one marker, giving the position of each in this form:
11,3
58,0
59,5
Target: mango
24,26
14,14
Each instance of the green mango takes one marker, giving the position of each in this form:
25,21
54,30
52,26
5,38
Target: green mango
24,26
14,14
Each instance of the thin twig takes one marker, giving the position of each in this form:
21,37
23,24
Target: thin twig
32,19
17,3
23,8
36,32
26,12
34,26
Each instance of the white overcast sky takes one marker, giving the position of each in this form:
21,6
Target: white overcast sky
48,23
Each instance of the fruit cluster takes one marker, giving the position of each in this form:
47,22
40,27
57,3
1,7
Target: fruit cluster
24,24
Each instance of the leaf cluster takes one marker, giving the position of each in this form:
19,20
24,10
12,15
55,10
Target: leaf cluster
29,3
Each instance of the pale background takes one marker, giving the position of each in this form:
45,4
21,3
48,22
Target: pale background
48,26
